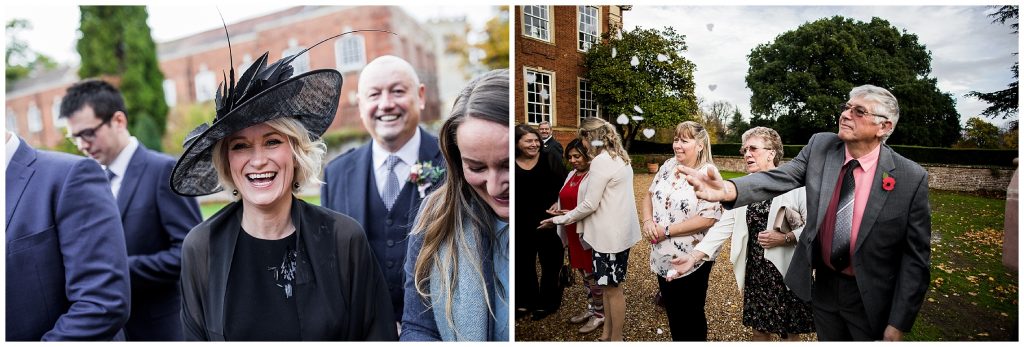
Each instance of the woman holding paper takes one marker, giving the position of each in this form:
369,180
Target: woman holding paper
763,240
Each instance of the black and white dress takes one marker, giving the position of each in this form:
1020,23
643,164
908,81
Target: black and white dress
768,305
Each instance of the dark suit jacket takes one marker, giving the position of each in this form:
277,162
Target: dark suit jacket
892,250
338,285
348,178
67,269
155,221
553,146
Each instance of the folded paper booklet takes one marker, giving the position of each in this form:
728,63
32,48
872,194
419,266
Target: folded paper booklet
787,220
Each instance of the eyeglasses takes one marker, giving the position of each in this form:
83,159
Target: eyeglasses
88,134
752,149
858,111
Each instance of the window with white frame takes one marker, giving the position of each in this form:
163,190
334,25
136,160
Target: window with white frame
12,120
170,93
206,84
589,23
537,22
58,122
35,118
350,52
588,106
538,96
246,61
300,64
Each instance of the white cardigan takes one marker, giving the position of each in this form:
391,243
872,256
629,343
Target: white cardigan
605,213
734,223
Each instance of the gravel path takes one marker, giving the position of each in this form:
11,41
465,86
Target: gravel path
644,320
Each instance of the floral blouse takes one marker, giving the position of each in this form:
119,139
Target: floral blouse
674,201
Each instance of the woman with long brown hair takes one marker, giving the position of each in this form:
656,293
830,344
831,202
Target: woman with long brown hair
457,265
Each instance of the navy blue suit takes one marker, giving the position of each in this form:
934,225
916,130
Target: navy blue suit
351,189
67,268
155,221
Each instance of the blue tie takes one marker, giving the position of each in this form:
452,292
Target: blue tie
391,185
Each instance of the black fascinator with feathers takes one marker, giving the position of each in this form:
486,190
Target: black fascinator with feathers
262,93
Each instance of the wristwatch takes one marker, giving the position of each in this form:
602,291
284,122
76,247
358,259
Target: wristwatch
787,238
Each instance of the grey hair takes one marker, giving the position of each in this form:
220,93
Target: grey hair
885,104
770,137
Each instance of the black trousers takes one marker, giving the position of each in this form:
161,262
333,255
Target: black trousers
839,313
547,246
684,300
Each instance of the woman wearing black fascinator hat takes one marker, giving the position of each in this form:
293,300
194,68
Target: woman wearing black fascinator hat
271,266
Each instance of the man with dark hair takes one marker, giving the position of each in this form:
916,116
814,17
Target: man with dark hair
155,219
67,271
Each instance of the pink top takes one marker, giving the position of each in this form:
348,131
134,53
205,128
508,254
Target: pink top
863,177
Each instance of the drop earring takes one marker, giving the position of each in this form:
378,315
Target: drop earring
296,184
234,192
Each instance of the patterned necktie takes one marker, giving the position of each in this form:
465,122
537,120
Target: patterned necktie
844,220
391,185
110,176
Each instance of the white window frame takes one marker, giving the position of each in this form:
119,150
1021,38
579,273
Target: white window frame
538,24
246,61
58,123
206,84
301,63
586,104
35,118
534,99
12,120
170,92
350,52
585,21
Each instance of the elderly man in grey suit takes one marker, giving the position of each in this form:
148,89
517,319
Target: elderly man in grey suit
868,226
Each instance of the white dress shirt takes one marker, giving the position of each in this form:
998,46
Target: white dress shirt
12,146
120,164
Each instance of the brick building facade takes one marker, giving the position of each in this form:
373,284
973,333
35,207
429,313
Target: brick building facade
550,43
192,65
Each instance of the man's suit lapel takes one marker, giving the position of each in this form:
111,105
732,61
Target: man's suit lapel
358,180
877,197
21,163
829,175
130,182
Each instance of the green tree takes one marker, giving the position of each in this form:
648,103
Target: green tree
496,47
737,126
1010,135
980,134
714,117
799,79
1003,102
19,59
116,43
660,85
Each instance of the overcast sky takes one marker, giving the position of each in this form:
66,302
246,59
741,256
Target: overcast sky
968,51
55,26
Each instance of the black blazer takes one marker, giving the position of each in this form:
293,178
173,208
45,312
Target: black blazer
892,253
339,289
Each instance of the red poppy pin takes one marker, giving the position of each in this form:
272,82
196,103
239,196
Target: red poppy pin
888,183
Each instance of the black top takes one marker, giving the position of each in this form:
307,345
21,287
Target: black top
260,291
540,186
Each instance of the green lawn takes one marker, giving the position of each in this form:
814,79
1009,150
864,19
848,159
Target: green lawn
210,208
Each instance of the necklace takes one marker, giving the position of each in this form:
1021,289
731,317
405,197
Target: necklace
577,178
